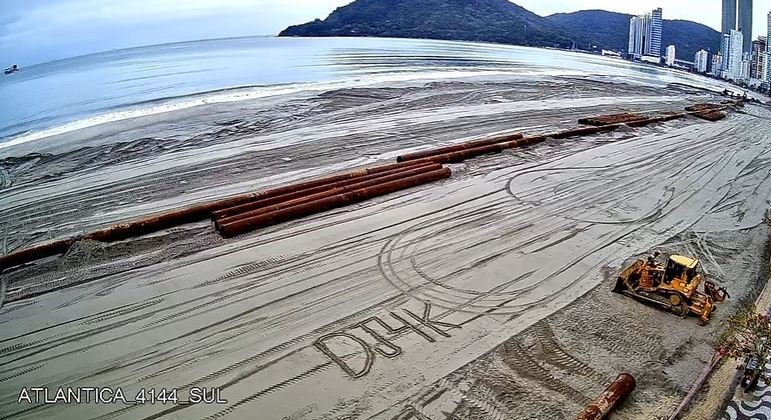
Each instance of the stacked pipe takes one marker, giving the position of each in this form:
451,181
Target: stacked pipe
710,115
707,111
612,119
582,131
463,151
190,214
249,211
662,118
261,213
463,154
459,147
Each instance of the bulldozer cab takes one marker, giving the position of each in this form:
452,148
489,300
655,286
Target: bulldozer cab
680,268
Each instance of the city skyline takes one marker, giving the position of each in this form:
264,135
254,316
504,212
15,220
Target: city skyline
741,58
737,15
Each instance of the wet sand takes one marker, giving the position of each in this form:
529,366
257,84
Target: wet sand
486,295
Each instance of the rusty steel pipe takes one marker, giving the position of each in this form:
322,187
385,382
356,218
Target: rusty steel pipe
245,198
611,119
339,200
203,211
361,183
190,214
663,118
150,224
710,115
582,131
482,150
256,204
704,107
611,398
36,253
458,147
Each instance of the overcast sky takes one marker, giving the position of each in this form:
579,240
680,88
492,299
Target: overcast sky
33,31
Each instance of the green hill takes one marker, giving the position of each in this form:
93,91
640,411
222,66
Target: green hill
466,20
497,21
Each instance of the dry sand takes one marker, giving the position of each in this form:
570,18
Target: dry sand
483,296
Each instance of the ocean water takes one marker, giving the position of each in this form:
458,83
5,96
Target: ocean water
67,95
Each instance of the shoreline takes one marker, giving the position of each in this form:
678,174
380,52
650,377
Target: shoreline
129,108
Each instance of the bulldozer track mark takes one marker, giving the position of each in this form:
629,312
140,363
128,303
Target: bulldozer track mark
643,345
556,355
17,306
66,337
18,413
163,280
236,293
518,398
122,312
21,373
251,268
484,407
520,361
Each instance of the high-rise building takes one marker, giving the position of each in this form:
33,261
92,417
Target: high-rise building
768,56
725,51
671,55
746,64
737,15
758,58
717,65
655,33
635,37
745,23
735,56
729,16
700,61
645,35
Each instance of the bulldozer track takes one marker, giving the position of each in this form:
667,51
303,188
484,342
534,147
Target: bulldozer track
558,356
642,345
520,361
484,405
520,400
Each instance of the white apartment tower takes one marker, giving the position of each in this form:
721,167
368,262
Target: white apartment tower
671,55
768,46
700,61
735,55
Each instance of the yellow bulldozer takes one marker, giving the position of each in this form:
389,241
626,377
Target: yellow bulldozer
673,287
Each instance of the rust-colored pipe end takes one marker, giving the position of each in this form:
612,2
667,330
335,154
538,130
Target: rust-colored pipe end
217,226
612,397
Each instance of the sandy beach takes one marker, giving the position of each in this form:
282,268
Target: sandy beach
484,296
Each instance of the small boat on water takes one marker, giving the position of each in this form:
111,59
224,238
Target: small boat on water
12,69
